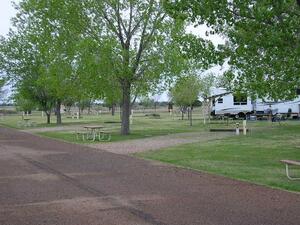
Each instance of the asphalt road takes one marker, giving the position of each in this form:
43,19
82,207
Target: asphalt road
47,182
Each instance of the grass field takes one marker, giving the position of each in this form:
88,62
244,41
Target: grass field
254,158
143,126
13,120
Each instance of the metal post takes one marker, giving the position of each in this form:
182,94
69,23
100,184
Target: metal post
244,127
237,130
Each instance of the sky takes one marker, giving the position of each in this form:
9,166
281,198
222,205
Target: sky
6,13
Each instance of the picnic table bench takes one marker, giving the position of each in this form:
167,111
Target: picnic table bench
26,122
80,133
290,163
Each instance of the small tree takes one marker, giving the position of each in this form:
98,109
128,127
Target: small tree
23,104
185,93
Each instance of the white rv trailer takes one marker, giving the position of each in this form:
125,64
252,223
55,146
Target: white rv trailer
228,104
281,107
225,103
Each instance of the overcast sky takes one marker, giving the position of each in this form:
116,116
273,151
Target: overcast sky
7,11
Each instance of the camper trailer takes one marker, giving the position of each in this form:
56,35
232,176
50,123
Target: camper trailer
289,108
226,103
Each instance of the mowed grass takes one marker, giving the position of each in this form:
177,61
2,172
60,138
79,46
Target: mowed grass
14,120
142,127
70,136
254,158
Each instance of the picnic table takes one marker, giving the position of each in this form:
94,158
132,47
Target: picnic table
26,122
290,163
93,131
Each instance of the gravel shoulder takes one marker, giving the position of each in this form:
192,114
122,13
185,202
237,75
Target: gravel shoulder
156,143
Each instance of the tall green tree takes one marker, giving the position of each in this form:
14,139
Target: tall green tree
138,35
22,65
48,30
262,41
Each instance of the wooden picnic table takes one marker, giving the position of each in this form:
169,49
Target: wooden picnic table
93,129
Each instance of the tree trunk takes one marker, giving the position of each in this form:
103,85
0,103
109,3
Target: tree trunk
209,110
191,116
57,110
48,117
125,127
121,108
113,107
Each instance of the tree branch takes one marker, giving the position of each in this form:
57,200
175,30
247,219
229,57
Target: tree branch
145,40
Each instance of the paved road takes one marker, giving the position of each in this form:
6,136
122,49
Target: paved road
45,182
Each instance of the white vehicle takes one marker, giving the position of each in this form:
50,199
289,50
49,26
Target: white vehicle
291,107
225,103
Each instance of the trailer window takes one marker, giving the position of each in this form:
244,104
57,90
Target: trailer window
240,100
220,100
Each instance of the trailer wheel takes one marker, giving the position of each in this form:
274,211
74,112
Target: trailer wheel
240,115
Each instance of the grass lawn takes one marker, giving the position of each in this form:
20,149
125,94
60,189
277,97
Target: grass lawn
142,126
253,158
69,136
13,120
